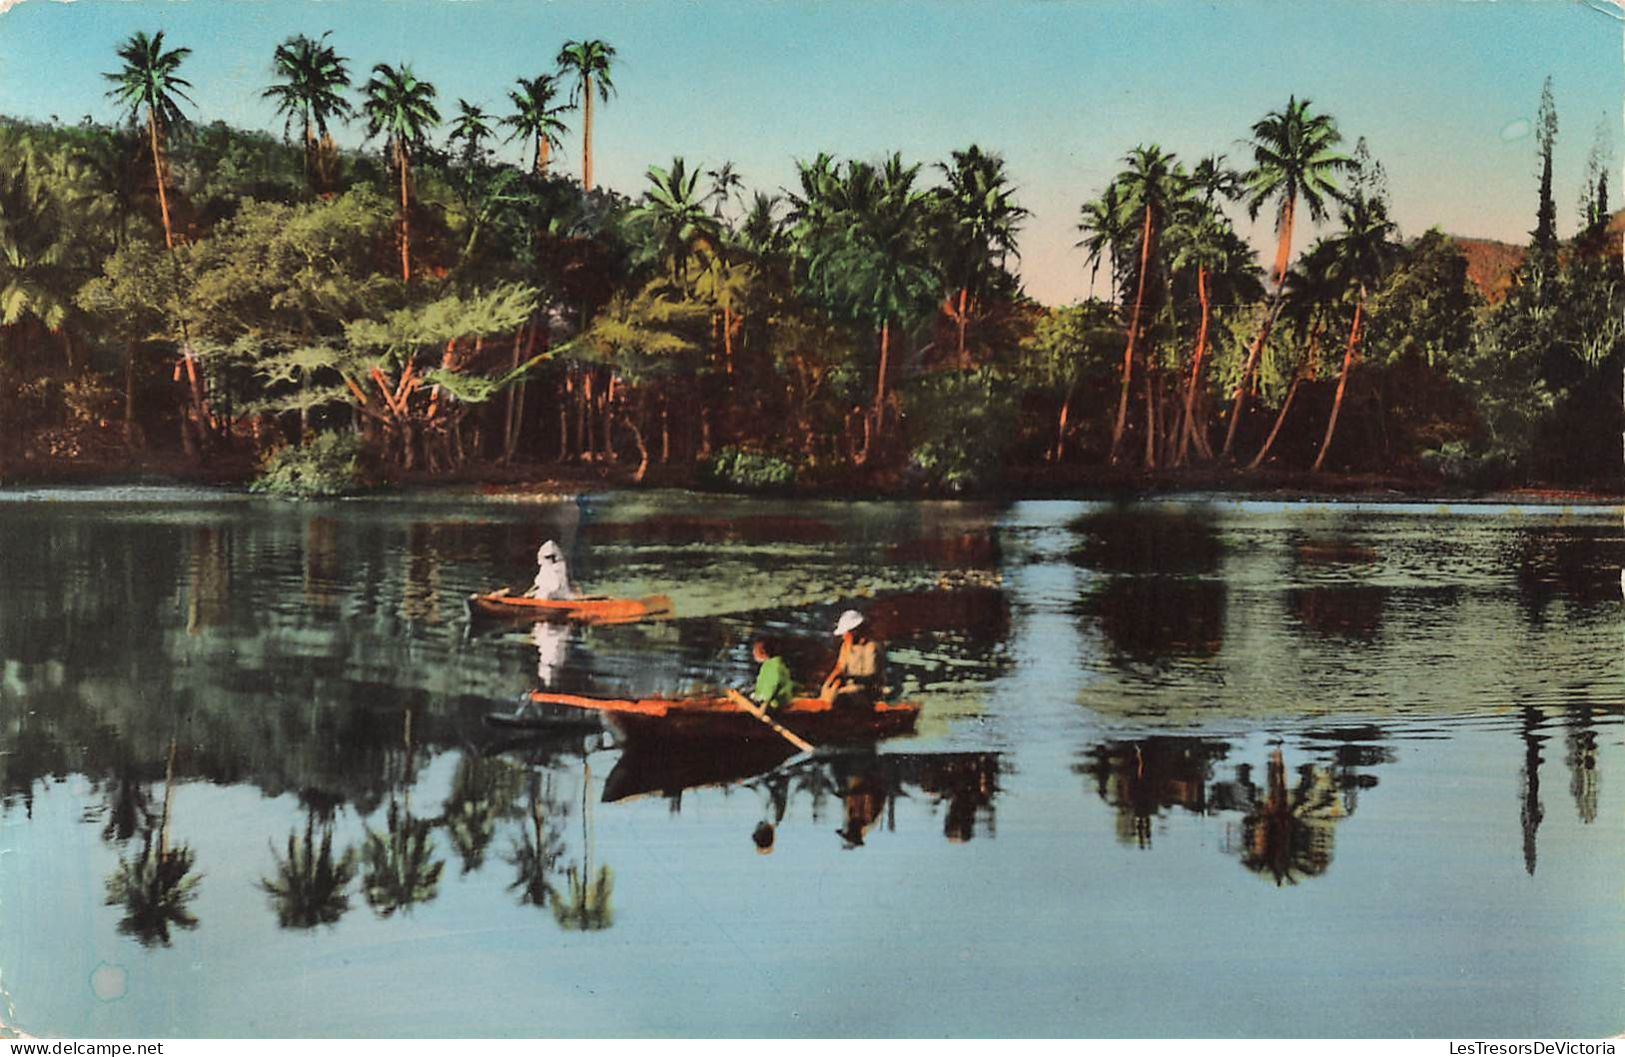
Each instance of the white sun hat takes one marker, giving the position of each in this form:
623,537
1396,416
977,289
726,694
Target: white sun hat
548,549
849,620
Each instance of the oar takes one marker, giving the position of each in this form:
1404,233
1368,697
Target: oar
750,706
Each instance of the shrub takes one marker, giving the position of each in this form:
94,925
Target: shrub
326,465
960,425
751,470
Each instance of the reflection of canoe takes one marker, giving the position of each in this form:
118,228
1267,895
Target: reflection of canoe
702,719
658,769
541,723
590,609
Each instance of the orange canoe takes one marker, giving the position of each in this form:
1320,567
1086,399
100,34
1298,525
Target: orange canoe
588,609
692,719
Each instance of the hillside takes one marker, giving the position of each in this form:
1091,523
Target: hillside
1490,264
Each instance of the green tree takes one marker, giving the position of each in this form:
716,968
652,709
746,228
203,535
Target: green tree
313,78
1359,255
472,126
401,107
1149,187
1294,158
536,119
585,60
149,82
980,219
676,213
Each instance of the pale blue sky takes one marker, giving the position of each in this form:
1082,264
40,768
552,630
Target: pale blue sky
1442,89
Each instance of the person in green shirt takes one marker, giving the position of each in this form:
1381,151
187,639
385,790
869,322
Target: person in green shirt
773,687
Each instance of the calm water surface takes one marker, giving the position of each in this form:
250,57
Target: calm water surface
1184,768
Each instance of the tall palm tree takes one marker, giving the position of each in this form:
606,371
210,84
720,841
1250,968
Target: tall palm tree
586,60
981,218
1359,255
535,117
313,80
402,108
726,186
1293,159
149,82
1310,299
1149,187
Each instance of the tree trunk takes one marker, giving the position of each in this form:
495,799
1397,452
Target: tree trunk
1283,251
1150,419
129,394
1060,429
586,132
607,402
665,431
158,174
406,216
1245,380
1342,381
631,421
584,433
964,358
1133,330
543,150
1291,392
1196,371
566,392
880,380
727,339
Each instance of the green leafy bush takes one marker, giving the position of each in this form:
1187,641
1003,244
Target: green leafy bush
326,465
751,470
960,425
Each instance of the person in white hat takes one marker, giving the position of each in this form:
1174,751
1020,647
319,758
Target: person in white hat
552,578
858,679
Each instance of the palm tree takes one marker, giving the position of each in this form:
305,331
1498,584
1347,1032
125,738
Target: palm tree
473,127
1293,158
1104,233
149,82
1311,294
1359,255
586,59
313,79
726,186
981,220
535,117
402,108
400,868
674,208
310,885
1149,187
864,233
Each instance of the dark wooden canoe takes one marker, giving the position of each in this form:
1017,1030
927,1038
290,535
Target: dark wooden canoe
713,719
594,609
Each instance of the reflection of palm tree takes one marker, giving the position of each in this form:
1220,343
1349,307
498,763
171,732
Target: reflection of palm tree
482,791
400,868
156,885
1289,833
541,844
309,888
1582,760
587,907
1531,812
128,809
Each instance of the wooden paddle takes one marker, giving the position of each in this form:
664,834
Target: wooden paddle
750,706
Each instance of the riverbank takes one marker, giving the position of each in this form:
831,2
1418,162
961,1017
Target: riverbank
533,480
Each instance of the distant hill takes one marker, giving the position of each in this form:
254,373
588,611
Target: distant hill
1490,264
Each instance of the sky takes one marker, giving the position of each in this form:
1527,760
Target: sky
1444,91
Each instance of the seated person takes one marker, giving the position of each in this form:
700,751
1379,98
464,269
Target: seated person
773,687
552,578
858,679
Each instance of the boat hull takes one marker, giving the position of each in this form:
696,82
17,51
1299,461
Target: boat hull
703,720
583,610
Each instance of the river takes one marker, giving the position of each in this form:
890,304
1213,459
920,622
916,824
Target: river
1191,767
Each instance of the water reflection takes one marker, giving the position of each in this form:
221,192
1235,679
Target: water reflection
1286,832
1341,612
156,885
399,867
311,886
1285,829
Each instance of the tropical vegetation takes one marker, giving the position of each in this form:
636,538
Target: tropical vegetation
177,289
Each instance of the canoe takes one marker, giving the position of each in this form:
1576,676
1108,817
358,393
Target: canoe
713,719
591,609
